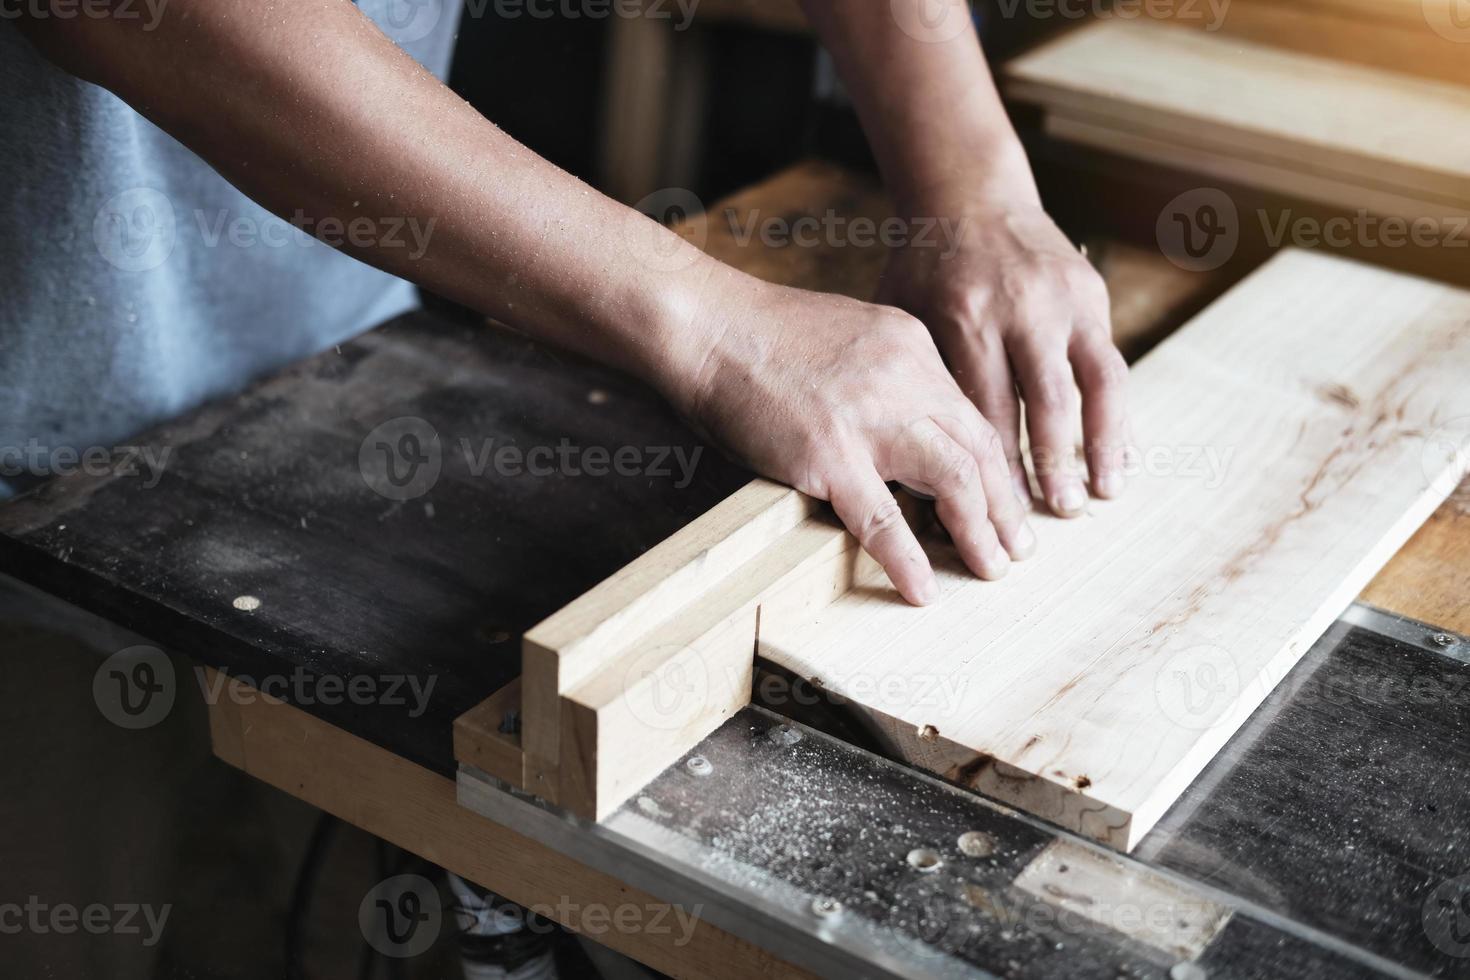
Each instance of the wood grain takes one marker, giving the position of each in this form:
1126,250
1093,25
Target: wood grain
1429,579
416,809
1349,121
1069,687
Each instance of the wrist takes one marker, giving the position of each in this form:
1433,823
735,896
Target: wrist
1001,174
686,321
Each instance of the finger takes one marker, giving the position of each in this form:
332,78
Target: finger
1102,375
984,372
935,463
1006,513
1045,376
866,508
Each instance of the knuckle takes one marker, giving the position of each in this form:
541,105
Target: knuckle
1086,280
1052,389
953,469
965,306
881,517
1108,370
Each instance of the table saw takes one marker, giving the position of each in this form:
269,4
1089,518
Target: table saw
1328,838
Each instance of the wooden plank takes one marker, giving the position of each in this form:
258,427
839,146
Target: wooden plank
1314,385
1429,579
1350,121
1415,37
1223,161
390,797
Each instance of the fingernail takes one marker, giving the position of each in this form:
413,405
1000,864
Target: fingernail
998,563
1070,501
1109,484
1023,490
1025,542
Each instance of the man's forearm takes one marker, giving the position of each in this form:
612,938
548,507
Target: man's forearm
308,108
925,96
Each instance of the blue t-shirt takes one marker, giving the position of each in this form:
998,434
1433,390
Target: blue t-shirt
135,282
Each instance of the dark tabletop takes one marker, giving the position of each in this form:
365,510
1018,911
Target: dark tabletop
384,505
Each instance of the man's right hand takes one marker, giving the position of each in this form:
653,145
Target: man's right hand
835,397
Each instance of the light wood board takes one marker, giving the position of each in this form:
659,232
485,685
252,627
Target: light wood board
1346,121
1224,162
625,679
1415,37
1094,682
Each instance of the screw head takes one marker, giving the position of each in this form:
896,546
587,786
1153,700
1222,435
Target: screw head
826,907
699,765
1442,640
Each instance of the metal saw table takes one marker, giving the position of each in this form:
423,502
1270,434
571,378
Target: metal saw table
1330,838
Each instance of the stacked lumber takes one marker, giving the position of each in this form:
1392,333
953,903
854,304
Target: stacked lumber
1417,37
1339,134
